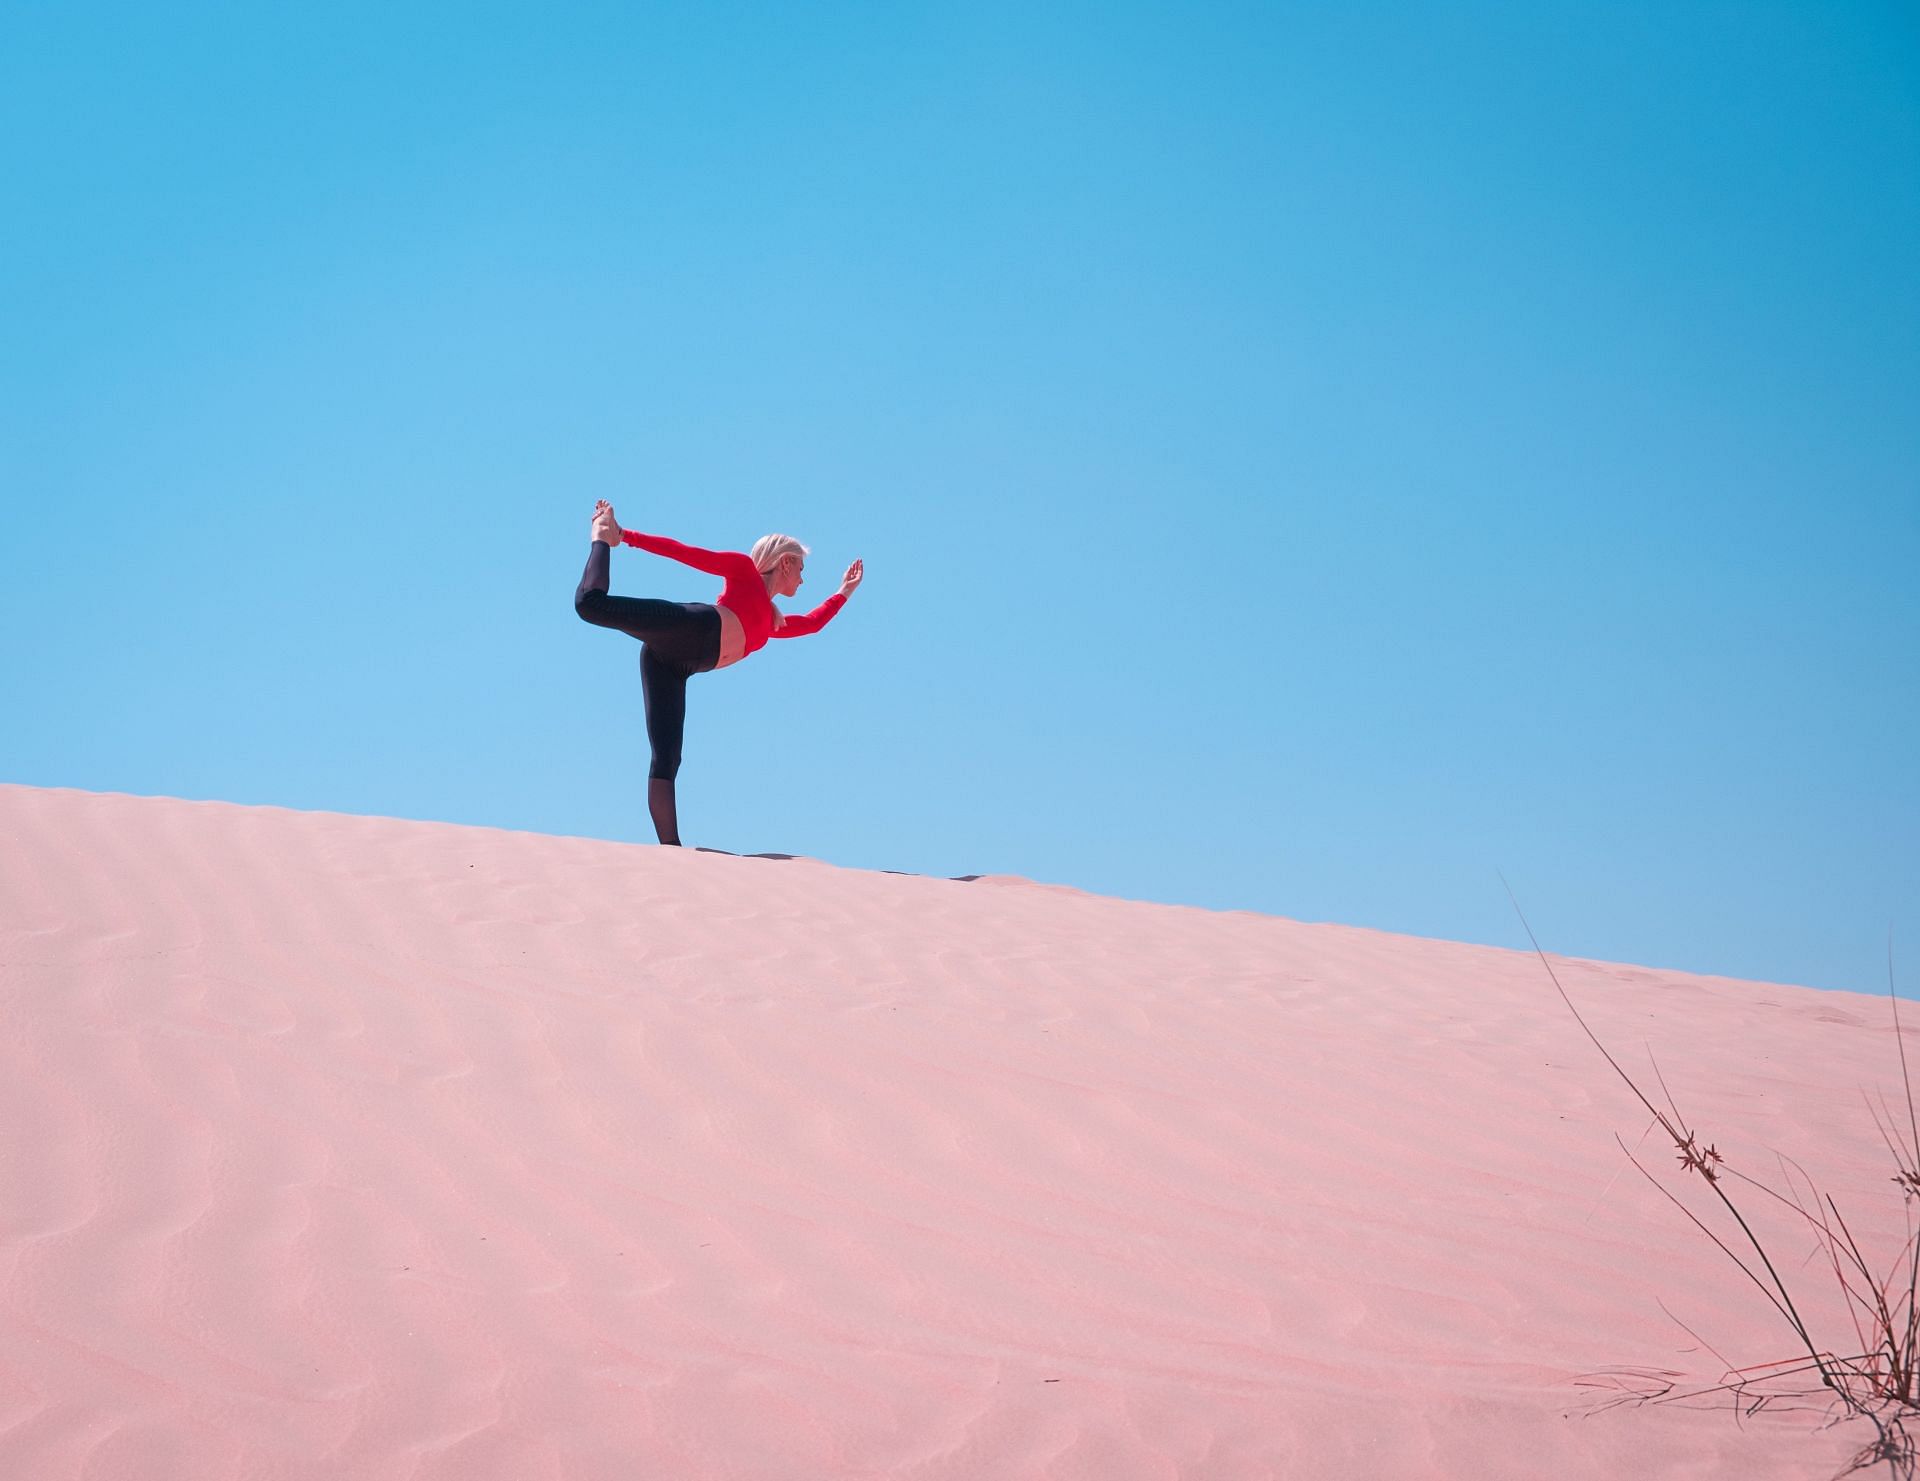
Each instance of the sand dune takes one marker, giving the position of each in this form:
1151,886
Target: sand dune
346,1147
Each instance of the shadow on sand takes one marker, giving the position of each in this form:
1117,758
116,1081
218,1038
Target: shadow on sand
956,878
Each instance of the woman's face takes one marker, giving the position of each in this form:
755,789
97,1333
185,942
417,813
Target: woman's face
795,568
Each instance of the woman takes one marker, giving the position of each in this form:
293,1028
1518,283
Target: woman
681,639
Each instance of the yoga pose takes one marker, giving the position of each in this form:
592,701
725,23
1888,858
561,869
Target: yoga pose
681,639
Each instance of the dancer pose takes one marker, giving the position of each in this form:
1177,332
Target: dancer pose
681,639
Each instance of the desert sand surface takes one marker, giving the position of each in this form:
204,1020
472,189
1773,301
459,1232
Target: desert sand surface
339,1146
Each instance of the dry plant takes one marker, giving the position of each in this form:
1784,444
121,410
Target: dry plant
1880,1382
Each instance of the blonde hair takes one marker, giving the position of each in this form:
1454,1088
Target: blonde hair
769,550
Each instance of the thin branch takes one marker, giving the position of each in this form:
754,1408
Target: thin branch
1710,1235
1899,1039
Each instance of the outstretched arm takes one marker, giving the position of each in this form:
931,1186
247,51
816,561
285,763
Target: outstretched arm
713,562
820,616
798,626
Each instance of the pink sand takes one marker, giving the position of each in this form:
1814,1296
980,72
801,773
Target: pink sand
345,1147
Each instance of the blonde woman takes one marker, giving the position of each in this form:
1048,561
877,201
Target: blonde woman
681,639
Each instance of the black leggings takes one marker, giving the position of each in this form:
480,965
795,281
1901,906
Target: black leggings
678,640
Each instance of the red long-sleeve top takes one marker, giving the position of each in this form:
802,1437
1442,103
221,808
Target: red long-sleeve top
745,594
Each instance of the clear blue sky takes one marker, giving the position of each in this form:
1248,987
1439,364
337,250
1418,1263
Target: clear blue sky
1306,458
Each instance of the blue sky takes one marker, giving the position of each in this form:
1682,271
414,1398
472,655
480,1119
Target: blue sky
1306,459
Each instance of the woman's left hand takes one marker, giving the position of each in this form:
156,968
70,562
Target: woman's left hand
849,582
